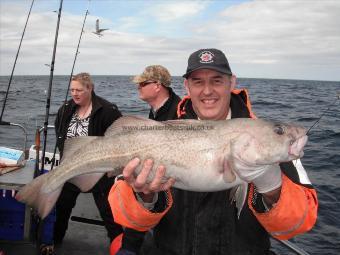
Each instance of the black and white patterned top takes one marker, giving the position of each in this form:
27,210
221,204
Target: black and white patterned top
78,126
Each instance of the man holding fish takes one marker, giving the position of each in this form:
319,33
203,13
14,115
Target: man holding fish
274,197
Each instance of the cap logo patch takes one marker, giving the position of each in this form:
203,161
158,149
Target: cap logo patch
206,57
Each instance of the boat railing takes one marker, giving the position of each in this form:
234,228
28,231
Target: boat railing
24,149
48,127
50,157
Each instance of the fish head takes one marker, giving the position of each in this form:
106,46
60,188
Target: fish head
263,143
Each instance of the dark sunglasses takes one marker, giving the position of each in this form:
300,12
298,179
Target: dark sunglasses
143,84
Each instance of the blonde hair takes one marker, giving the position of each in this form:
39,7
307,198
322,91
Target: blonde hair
84,79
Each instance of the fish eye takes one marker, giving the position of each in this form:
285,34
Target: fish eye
279,129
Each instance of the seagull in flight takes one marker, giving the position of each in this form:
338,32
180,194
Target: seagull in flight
99,30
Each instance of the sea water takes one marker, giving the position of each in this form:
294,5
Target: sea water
297,101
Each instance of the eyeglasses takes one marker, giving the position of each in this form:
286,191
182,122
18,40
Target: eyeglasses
145,83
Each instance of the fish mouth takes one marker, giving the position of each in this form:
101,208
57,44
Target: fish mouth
296,148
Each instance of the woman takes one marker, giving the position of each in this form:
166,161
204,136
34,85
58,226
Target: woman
86,114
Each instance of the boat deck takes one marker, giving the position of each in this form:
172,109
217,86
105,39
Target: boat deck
81,238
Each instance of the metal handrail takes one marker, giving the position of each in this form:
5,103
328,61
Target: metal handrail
41,129
24,131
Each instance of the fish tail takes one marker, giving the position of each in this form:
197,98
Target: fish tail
32,194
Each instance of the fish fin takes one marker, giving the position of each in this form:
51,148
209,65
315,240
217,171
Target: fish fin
239,195
32,194
228,174
239,192
74,144
85,182
47,202
117,127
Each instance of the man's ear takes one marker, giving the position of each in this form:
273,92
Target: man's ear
232,82
158,87
186,85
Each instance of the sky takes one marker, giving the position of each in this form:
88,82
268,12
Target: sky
282,39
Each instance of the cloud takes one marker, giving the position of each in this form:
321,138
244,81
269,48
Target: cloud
271,39
279,31
116,52
176,10
127,23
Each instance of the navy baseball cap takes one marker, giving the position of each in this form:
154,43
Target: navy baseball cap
208,59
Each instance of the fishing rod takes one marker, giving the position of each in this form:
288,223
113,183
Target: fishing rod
15,62
293,247
48,100
69,84
324,112
77,51
40,227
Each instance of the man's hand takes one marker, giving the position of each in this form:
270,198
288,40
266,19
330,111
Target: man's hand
139,183
266,178
267,181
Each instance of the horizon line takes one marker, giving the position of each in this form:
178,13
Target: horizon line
294,79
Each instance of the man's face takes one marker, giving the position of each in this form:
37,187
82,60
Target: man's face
210,93
147,90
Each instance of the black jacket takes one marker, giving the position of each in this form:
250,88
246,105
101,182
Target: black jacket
169,110
203,223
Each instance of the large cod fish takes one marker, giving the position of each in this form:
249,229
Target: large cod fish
200,155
